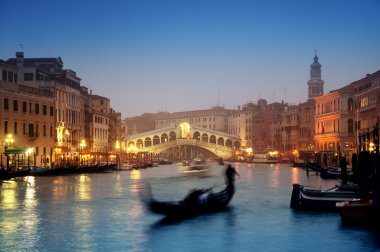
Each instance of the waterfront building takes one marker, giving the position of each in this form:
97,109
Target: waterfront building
274,112
48,74
77,116
298,127
240,123
367,100
266,126
100,107
26,116
334,120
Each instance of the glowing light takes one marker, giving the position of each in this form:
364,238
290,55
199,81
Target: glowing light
83,143
9,140
132,149
371,147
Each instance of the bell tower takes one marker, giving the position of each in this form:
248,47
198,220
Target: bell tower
315,83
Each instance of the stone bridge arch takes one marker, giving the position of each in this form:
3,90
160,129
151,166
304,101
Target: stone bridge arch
218,143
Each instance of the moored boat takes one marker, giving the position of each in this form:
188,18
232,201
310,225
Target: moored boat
7,175
317,199
357,212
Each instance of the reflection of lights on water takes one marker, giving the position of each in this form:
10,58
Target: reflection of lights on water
31,203
294,176
135,174
8,195
135,188
83,189
30,180
276,176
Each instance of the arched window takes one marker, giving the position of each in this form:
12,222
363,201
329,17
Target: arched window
350,104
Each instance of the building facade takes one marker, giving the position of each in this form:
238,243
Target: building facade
26,117
60,114
334,120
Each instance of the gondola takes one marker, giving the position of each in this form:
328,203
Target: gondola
7,175
317,199
197,202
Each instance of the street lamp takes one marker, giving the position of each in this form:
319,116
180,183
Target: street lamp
9,140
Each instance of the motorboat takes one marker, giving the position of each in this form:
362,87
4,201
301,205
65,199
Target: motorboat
198,166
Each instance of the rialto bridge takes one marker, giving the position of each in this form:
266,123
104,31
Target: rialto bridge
185,138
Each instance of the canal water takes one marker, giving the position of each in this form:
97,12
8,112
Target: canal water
104,212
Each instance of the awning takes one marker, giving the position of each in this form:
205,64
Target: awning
16,150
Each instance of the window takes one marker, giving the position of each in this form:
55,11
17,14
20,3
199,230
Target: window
28,76
51,131
15,127
15,105
364,102
44,109
37,108
24,107
51,111
44,130
30,107
24,128
6,103
350,126
10,76
31,130
5,126
5,75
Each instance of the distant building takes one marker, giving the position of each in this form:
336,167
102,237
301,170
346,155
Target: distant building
139,124
213,119
298,127
315,83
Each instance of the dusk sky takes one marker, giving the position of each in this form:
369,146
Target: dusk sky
150,56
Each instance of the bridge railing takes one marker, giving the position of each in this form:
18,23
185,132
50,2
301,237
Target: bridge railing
194,142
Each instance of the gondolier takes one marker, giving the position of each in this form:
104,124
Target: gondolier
230,174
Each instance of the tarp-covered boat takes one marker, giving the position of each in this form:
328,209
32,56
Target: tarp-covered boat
317,199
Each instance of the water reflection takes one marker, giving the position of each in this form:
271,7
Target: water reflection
135,174
275,175
83,190
9,195
33,218
295,176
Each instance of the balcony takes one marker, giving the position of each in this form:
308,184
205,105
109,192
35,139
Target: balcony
369,107
32,136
